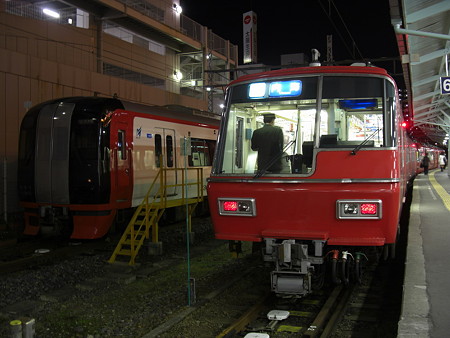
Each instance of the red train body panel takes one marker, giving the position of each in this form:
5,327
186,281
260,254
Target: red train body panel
348,170
296,210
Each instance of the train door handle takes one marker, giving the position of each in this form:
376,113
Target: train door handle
127,171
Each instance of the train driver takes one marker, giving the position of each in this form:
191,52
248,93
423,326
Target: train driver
268,141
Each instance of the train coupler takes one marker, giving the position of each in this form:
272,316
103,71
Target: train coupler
291,283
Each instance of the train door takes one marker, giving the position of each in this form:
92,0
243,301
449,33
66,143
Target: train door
124,179
165,146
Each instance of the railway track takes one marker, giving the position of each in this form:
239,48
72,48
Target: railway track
308,317
370,309
17,256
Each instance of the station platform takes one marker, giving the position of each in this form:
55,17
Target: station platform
426,288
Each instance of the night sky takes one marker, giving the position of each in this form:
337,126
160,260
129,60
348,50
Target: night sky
298,26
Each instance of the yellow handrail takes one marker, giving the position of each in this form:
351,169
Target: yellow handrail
154,204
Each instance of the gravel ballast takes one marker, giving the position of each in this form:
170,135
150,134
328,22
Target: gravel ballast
88,297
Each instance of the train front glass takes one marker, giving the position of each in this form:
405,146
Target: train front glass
64,154
314,112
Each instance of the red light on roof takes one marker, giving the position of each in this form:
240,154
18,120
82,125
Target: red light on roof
369,209
230,206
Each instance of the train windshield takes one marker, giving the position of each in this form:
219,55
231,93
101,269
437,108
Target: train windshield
314,113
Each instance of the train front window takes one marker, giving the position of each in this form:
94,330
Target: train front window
352,112
295,118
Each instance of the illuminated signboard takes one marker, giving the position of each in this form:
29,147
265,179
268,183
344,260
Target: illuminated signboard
358,104
275,89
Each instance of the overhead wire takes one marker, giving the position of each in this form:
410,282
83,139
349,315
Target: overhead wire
328,14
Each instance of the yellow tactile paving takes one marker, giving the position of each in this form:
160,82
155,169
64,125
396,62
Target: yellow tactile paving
443,194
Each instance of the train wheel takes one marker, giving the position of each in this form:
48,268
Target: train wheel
393,250
358,272
345,271
334,277
389,251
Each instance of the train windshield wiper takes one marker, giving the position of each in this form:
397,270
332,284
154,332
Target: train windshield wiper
368,138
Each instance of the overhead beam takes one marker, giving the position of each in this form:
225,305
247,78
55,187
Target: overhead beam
431,56
399,30
427,80
427,95
438,8
420,122
426,113
430,105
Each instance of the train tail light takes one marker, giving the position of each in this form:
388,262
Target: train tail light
237,206
358,209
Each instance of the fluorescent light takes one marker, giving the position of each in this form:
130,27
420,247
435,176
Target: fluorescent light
177,75
51,13
177,8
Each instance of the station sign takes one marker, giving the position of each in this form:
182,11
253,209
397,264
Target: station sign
249,29
445,85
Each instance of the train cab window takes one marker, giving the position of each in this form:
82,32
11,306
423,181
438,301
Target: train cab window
344,126
313,112
202,152
158,150
121,145
169,151
352,113
239,141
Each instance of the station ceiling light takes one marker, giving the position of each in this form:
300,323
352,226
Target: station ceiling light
51,13
177,8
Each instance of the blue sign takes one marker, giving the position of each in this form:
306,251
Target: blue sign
445,84
285,88
261,90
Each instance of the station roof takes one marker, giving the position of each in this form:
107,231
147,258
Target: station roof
423,38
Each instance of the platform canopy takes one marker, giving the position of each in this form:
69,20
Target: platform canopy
423,37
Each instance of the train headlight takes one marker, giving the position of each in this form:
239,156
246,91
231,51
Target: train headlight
350,208
358,209
237,206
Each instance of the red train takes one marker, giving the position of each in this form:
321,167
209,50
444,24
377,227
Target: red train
84,159
346,166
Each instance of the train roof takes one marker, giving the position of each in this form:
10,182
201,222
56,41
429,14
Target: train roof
177,112
285,72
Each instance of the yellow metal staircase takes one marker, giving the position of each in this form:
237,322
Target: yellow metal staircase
151,209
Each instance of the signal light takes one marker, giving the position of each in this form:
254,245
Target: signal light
358,209
368,209
230,206
237,206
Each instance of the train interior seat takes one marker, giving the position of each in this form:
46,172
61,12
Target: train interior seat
307,149
296,163
328,141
